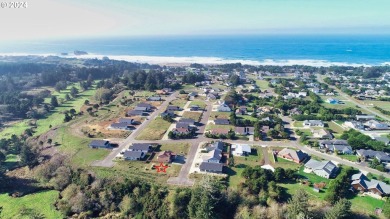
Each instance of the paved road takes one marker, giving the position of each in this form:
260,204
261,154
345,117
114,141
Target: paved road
353,100
108,161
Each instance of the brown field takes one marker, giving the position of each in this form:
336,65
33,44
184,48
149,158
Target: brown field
192,115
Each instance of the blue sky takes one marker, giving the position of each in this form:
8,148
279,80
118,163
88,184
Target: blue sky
99,18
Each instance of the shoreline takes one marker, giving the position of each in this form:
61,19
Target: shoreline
186,61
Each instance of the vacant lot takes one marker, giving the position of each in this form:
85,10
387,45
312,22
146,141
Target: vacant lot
200,103
192,115
179,102
155,130
40,202
226,127
178,148
254,159
219,115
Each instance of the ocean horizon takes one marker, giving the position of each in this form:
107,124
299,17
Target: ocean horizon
359,50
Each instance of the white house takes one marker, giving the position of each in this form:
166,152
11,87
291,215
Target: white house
241,149
313,123
326,169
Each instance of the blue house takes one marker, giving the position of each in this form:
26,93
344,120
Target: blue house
99,144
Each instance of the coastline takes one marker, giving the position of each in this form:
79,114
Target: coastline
185,61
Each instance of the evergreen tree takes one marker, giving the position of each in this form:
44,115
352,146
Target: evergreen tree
298,205
340,210
54,101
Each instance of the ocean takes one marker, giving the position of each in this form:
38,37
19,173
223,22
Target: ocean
258,50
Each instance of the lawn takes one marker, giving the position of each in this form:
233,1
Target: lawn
382,104
200,103
11,161
246,117
352,158
179,102
220,115
78,148
335,127
212,126
192,115
255,158
155,130
312,177
137,169
178,148
263,85
15,129
41,202
365,204
298,124
285,164
55,117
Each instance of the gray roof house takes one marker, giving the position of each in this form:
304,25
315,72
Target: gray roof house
182,125
380,155
326,169
133,155
221,122
155,99
121,126
194,108
211,167
382,139
365,117
313,123
373,124
244,130
223,108
188,121
143,147
99,144
341,146
136,113
173,108
147,105
375,187
126,120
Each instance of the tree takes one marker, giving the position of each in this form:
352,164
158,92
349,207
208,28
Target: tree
298,205
340,210
231,162
73,92
386,209
28,157
2,157
54,101
339,187
171,135
49,141
67,97
86,102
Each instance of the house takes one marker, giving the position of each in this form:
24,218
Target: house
223,108
212,96
211,167
341,146
181,130
213,156
373,124
120,126
313,123
133,155
168,113
146,105
365,117
136,113
372,187
194,108
242,110
182,125
326,169
127,120
154,98
192,95
219,131
321,134
99,144
241,149
140,108
371,154
173,108
244,130
221,122
166,157
143,147
292,155
354,125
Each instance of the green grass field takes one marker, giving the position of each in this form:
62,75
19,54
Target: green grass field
78,148
192,115
155,130
212,126
365,204
179,102
298,124
54,118
178,148
247,117
40,202
352,158
200,103
382,104
220,115
254,159
263,85
11,161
